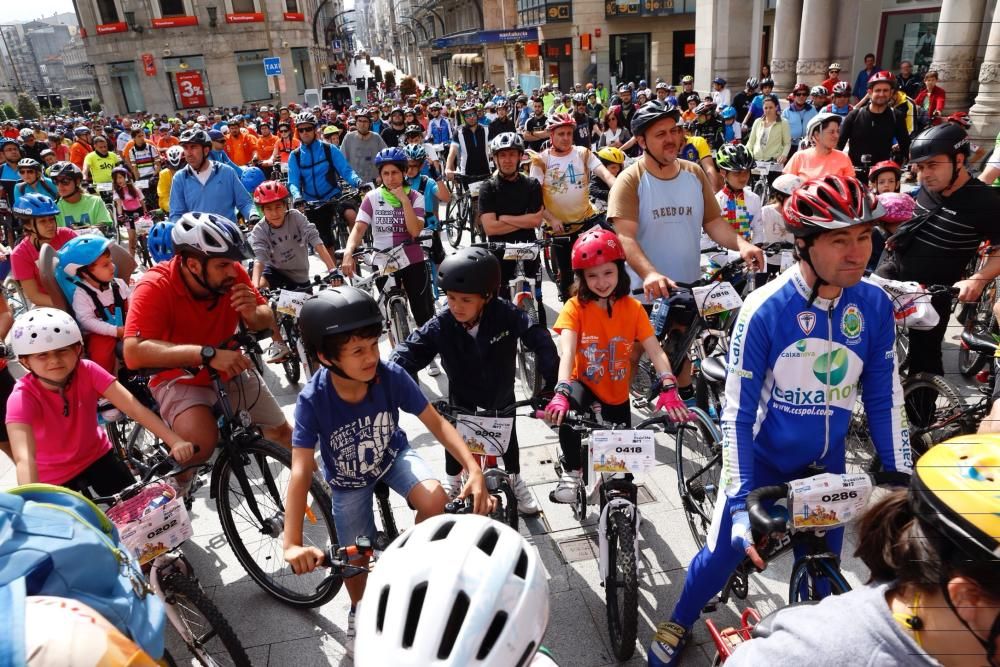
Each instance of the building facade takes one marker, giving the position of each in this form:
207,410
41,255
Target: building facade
166,55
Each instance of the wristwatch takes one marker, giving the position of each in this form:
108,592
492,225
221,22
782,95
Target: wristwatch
207,354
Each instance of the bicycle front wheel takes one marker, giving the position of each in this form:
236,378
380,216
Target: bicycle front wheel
292,366
453,222
526,358
621,586
258,478
200,624
698,461
814,579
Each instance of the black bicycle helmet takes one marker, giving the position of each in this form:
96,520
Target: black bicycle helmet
65,170
944,139
470,271
336,310
650,112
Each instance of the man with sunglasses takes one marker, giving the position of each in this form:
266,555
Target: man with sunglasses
10,151
798,114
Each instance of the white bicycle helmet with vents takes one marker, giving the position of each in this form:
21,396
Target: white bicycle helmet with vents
455,591
175,156
43,330
506,140
209,235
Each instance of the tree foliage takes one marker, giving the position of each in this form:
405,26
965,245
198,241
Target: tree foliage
26,107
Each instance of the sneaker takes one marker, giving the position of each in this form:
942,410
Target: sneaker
433,370
107,411
452,485
526,503
667,645
351,632
565,492
278,352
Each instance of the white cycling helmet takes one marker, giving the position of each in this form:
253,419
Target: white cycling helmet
43,330
506,140
455,591
786,184
209,235
175,156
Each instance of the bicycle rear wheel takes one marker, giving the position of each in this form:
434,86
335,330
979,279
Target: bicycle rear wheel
859,450
698,463
526,362
257,542
977,319
201,625
399,322
815,578
453,221
292,365
621,586
935,410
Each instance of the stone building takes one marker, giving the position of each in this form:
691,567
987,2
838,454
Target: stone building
167,55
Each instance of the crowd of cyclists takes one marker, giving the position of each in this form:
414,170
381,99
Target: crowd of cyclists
631,185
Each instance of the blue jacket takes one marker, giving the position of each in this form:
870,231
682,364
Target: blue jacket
798,119
480,370
307,171
222,194
222,157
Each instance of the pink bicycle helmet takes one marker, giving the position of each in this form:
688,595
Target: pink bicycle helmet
898,207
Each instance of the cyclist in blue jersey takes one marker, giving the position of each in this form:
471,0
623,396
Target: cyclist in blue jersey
802,347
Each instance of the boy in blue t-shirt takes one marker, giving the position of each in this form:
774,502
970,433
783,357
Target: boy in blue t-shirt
350,408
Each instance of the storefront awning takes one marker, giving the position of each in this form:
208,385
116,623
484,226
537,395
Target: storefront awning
467,59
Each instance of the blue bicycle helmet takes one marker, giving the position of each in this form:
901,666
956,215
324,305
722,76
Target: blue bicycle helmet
4,141
728,112
160,242
252,177
78,253
394,156
34,205
415,152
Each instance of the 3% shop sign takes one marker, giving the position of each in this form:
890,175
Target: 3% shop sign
191,90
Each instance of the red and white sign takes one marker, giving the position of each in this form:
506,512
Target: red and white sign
108,28
83,33
148,64
175,22
294,16
191,89
245,17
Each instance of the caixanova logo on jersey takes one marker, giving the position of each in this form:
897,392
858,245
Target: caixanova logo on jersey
830,369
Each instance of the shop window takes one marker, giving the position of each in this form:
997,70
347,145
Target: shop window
292,6
107,11
244,6
908,36
172,8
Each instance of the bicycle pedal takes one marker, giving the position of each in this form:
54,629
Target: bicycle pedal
710,608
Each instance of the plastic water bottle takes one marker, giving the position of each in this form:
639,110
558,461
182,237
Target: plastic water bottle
661,307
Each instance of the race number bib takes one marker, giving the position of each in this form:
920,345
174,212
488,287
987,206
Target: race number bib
827,501
487,436
143,224
525,251
787,259
622,451
474,188
142,183
103,187
391,261
290,303
716,298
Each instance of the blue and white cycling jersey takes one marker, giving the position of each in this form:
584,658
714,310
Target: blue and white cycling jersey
794,376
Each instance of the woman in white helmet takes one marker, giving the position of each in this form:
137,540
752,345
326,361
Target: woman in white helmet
484,599
52,411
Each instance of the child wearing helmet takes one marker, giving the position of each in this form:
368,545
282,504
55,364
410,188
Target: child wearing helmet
740,205
477,337
175,160
52,411
129,201
613,160
598,329
731,130
38,215
885,177
99,299
772,220
427,180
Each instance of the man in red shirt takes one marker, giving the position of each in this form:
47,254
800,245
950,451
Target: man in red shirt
180,311
833,79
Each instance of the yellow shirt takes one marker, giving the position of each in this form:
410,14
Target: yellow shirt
163,188
100,167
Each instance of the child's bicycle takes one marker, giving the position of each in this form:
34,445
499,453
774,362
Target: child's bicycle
487,434
153,523
285,304
616,453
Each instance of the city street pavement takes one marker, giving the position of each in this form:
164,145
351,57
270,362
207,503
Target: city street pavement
577,632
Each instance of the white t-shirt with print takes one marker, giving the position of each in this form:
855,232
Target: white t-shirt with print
566,182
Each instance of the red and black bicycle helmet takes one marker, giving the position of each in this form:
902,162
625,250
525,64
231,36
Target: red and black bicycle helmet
270,191
595,247
828,203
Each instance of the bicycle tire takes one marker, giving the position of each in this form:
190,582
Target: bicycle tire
977,321
187,596
292,366
551,265
144,258
622,581
950,416
310,590
526,361
804,579
389,527
698,462
399,322
642,381
506,510
453,222
859,450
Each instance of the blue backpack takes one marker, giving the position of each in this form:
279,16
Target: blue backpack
53,541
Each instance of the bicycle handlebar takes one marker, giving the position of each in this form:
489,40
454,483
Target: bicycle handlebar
452,411
132,490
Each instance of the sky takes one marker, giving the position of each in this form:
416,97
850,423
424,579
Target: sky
25,11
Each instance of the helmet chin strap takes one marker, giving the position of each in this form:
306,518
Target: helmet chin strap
214,291
60,386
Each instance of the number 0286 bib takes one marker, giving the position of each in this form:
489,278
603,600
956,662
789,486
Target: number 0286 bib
827,501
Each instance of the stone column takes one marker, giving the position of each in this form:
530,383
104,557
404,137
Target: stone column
756,37
985,113
706,43
731,57
787,23
955,47
818,22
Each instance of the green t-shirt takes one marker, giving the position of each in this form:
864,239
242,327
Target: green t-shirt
89,211
100,167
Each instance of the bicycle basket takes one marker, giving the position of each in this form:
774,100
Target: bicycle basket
153,522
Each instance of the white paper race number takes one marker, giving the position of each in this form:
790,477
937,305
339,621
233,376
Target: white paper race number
622,451
103,187
525,251
391,261
290,303
142,183
716,298
488,436
828,500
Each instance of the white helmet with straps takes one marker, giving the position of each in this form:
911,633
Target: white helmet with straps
43,330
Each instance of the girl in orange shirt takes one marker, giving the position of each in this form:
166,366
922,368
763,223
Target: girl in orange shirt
598,329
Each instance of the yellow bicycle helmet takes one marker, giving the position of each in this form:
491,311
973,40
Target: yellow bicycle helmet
611,154
956,490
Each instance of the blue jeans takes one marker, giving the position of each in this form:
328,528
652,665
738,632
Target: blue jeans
353,514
